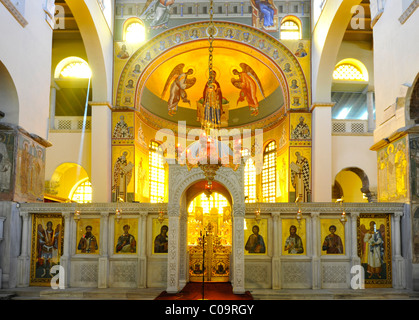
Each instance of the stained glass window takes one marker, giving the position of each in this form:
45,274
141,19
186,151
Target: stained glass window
290,30
156,173
249,179
348,72
83,192
269,173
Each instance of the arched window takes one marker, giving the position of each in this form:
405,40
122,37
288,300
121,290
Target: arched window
156,173
350,70
249,178
134,31
290,29
73,67
82,192
269,173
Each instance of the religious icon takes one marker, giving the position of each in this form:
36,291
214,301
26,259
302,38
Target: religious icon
179,82
294,84
266,13
122,130
88,242
287,68
294,243
47,239
300,177
122,176
157,13
6,166
255,242
137,69
130,84
333,243
195,34
126,241
161,241
248,82
374,245
301,52
123,54
301,130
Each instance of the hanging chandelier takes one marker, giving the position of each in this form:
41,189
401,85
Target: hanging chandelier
210,153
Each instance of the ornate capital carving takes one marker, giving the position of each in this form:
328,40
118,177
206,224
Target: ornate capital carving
173,211
239,210
315,215
398,214
24,214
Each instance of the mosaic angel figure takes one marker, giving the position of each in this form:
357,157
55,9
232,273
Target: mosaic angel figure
248,82
179,82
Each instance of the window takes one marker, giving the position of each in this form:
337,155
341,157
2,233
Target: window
249,179
156,173
269,173
82,193
134,31
290,29
348,72
76,69
216,200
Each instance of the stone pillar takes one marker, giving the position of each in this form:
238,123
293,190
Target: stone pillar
104,258
276,260
316,262
101,168
321,168
1,238
23,261
399,281
142,260
238,249
355,259
65,258
370,108
173,259
53,98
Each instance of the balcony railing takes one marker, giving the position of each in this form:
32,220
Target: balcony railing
76,124
350,127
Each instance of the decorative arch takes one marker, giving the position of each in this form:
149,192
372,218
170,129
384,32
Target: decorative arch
272,53
72,61
356,65
413,101
295,20
125,29
9,97
365,189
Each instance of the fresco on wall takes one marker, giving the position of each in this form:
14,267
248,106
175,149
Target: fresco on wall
256,236
265,15
333,237
415,231
374,248
300,174
293,237
122,173
414,167
30,172
393,171
156,13
88,235
47,247
123,127
7,149
300,128
160,236
126,231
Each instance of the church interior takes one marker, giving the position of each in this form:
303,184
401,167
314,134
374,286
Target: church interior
270,145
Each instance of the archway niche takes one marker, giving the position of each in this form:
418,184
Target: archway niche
184,184
353,185
9,105
414,102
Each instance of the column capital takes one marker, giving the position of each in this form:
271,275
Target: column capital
315,215
104,214
173,210
355,214
24,214
398,214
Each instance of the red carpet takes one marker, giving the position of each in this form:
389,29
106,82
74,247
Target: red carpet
212,291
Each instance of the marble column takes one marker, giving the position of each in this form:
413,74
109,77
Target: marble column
355,258
399,281
173,258
370,109
103,267
65,257
316,262
321,166
238,249
23,261
142,260
276,260
101,152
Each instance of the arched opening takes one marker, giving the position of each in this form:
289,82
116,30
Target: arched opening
414,102
64,182
351,184
9,98
209,233
290,28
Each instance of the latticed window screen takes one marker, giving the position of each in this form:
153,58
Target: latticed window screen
348,72
358,127
269,173
290,30
83,193
64,124
156,173
339,127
